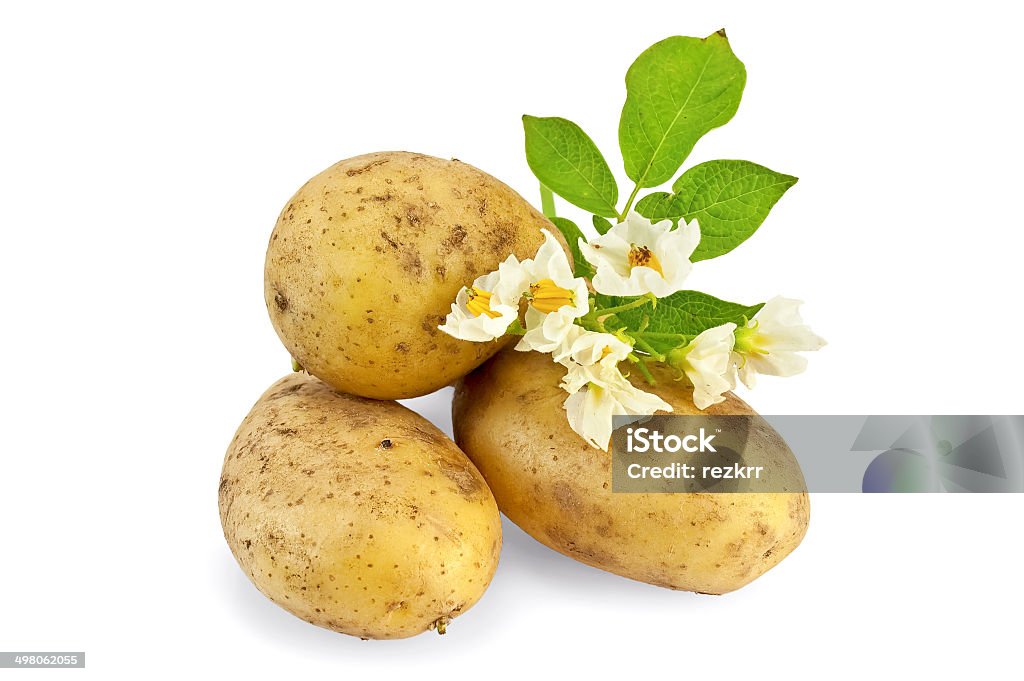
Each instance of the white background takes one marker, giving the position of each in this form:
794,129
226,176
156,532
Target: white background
146,152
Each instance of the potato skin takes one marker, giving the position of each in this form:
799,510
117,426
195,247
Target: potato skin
356,515
367,257
509,419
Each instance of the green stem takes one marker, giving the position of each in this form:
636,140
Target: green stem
649,349
620,308
547,202
643,368
629,202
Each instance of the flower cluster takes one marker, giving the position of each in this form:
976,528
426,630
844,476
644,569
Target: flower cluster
565,316
767,344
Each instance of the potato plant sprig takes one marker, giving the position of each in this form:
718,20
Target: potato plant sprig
639,310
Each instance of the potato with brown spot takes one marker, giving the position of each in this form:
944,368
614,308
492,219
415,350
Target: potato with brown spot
367,257
509,419
356,515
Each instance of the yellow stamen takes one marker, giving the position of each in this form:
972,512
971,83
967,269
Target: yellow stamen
546,296
480,303
641,256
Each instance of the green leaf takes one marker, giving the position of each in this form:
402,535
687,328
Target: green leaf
573,235
602,225
683,312
730,200
568,162
659,206
676,91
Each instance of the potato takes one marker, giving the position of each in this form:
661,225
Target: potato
509,419
367,257
356,515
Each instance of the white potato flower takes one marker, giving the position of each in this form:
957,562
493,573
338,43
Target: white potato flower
596,393
706,361
637,257
484,311
555,298
585,347
769,342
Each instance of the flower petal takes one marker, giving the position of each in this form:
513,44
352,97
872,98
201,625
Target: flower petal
597,393
707,363
778,363
546,332
771,340
610,255
590,347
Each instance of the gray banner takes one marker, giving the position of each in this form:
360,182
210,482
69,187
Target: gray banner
675,454
14,660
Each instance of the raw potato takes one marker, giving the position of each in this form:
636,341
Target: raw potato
367,258
356,515
509,420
